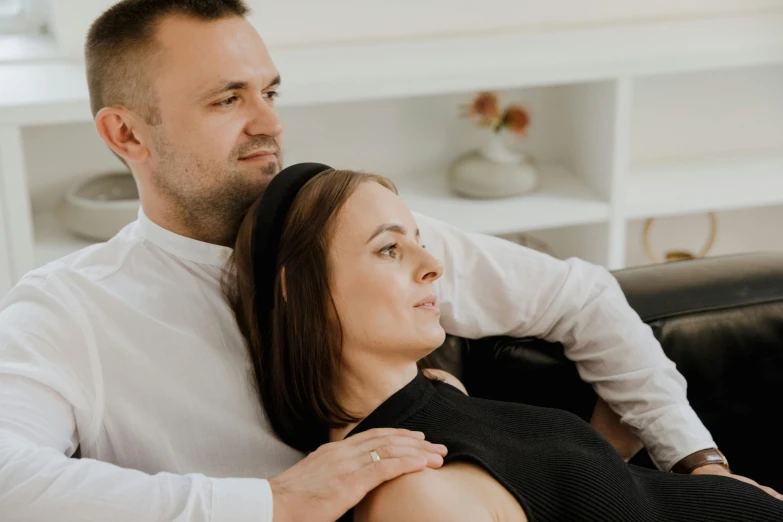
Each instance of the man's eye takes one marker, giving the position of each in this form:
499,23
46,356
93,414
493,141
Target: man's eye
227,102
271,95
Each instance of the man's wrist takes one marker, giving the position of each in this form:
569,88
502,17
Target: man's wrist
708,457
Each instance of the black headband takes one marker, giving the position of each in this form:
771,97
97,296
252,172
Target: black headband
268,227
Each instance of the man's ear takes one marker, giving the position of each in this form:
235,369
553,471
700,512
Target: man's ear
283,285
121,130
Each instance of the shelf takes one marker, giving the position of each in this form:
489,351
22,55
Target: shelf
52,241
705,185
56,91
562,199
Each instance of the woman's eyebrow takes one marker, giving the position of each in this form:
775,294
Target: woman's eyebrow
391,227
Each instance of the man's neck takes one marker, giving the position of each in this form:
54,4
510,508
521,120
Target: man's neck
160,213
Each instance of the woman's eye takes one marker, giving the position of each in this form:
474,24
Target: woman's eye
390,250
227,102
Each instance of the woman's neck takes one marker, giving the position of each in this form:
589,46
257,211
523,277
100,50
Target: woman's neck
364,387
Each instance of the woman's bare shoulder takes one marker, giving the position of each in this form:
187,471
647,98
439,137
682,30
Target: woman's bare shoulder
446,377
424,496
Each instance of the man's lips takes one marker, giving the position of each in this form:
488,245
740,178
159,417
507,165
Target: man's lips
262,154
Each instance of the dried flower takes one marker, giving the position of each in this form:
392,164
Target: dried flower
484,107
516,119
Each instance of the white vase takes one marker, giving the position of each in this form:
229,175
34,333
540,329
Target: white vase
493,171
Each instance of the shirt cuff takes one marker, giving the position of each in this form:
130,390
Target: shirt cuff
241,500
674,436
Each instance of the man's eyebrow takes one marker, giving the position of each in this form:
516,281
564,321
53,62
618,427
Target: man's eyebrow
230,85
391,227
275,82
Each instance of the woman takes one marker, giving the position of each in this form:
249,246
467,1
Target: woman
335,295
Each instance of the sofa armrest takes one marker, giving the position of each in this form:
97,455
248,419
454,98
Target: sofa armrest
703,285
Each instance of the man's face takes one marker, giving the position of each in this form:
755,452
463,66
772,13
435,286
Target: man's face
217,142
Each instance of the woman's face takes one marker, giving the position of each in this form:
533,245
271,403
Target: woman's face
382,278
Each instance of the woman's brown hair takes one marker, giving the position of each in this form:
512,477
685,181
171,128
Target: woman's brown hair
295,376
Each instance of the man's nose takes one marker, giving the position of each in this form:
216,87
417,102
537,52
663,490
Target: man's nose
262,118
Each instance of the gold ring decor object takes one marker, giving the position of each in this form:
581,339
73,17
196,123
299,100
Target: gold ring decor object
374,456
680,255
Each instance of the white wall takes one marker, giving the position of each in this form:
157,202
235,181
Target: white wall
296,22
710,113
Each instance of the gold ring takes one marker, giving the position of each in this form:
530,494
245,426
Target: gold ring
374,456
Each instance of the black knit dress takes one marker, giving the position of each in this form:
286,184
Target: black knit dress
558,467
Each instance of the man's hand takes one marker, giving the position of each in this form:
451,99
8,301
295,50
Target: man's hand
335,477
715,469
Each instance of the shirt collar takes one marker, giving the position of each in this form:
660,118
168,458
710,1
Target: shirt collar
181,246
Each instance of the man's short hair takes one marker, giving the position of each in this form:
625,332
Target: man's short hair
121,41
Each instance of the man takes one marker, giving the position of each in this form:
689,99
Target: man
128,352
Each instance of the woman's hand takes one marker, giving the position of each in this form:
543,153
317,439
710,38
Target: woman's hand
715,469
335,477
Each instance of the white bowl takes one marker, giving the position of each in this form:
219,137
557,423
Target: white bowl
99,207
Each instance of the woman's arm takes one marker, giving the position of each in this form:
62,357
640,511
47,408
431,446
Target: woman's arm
425,496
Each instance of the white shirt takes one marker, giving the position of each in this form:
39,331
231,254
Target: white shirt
128,350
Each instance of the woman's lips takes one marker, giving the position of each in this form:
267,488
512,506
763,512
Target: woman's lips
428,303
429,307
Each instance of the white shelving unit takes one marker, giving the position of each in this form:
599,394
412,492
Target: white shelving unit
728,183
585,80
52,241
561,200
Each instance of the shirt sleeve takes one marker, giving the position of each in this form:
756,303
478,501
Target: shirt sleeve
45,397
495,287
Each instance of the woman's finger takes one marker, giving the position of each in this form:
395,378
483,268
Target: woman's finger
394,441
384,432
399,452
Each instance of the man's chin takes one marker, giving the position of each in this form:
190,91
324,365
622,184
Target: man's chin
265,171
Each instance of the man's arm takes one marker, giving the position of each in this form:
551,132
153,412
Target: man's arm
494,287
49,406
39,482
43,389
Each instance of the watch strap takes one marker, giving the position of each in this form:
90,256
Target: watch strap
701,458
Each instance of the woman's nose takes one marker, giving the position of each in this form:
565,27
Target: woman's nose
431,268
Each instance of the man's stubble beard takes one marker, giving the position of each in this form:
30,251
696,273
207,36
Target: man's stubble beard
211,211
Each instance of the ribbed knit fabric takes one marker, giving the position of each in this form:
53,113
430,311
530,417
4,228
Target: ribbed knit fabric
558,467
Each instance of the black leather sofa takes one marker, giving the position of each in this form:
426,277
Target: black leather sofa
719,319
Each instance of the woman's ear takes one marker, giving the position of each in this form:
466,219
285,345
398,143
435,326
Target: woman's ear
282,284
